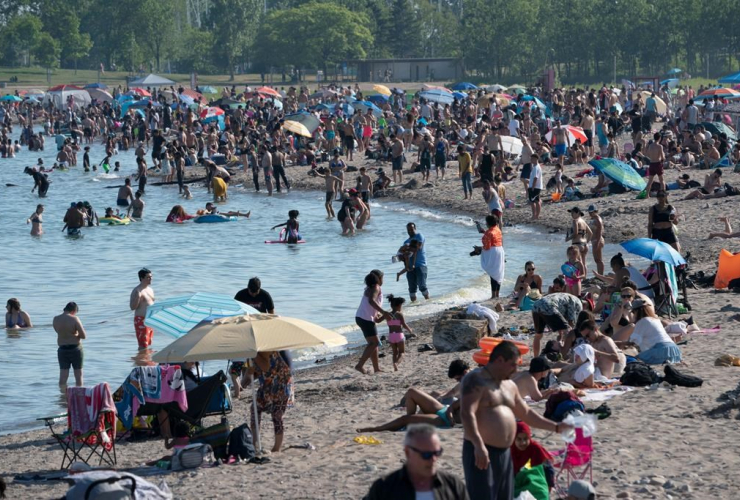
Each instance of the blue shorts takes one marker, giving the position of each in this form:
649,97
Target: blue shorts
443,415
560,149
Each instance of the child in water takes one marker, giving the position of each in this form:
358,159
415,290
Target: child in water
186,193
405,253
395,329
291,228
110,215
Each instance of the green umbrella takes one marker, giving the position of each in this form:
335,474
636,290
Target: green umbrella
619,172
717,128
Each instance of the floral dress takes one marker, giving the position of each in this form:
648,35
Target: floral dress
275,394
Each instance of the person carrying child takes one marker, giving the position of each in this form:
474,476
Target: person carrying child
396,324
405,254
291,228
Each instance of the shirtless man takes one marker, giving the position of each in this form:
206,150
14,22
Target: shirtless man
527,381
597,238
125,193
141,298
331,183
608,354
655,153
490,407
365,186
69,335
397,158
368,124
562,142
136,209
74,219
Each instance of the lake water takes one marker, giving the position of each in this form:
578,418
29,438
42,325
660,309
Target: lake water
320,281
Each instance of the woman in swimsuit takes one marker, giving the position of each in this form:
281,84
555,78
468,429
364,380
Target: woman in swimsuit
15,317
573,281
580,235
525,283
661,220
36,220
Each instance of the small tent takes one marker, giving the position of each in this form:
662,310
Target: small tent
151,80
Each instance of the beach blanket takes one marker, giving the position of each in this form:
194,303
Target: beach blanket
144,488
599,395
141,387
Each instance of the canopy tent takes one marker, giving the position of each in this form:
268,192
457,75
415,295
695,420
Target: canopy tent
59,96
151,80
717,128
619,172
730,78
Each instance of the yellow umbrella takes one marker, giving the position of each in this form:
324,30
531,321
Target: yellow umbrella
500,100
296,128
382,89
245,336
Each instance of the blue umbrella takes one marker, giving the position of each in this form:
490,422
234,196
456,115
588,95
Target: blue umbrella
365,105
378,99
654,250
619,172
464,86
178,315
207,89
438,96
459,96
96,86
12,98
730,78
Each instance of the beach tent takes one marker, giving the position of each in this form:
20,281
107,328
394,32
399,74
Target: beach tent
59,95
99,94
730,78
151,80
717,128
619,172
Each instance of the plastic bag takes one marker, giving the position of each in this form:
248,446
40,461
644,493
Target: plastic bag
583,421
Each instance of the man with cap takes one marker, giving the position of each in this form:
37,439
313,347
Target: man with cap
527,381
597,238
581,490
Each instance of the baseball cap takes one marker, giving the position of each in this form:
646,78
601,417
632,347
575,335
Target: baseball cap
592,208
582,490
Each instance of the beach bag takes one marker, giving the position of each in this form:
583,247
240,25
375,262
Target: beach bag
532,480
675,377
639,374
217,436
190,457
241,444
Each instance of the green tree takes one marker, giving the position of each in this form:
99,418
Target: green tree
194,51
234,28
406,29
47,51
317,35
19,38
158,26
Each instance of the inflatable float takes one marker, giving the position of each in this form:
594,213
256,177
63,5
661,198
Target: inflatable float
211,218
569,270
283,240
488,344
112,221
728,269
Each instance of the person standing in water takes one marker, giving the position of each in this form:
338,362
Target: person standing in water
417,276
70,333
291,228
136,209
36,220
141,298
40,181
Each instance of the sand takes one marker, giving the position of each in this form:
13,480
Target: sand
656,444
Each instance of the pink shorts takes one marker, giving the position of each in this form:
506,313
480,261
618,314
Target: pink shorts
367,131
144,334
396,337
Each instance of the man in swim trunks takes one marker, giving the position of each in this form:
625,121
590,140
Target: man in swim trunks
562,141
368,122
69,336
141,298
397,158
136,209
655,153
125,193
490,407
74,219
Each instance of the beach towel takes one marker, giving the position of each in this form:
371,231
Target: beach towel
486,313
80,421
587,355
149,380
492,261
117,485
172,387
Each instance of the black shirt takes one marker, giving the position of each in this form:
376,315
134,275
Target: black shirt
398,486
262,301
157,143
486,167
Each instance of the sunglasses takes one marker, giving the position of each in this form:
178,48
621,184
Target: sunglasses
427,455
530,269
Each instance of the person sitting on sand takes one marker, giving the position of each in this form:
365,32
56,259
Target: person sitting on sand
178,215
524,284
727,232
430,411
15,317
610,361
712,186
406,255
580,373
292,227
574,338
527,381
180,440
648,333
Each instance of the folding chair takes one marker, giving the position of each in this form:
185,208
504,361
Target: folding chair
86,438
573,463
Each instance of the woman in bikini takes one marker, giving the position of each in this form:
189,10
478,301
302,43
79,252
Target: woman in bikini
36,220
661,220
579,236
525,283
15,317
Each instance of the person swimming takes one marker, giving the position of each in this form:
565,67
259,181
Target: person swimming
291,227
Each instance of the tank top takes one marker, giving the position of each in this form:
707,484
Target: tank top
366,311
441,148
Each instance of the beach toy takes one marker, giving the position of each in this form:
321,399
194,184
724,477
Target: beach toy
481,357
209,218
488,344
728,269
556,196
112,221
569,270
367,440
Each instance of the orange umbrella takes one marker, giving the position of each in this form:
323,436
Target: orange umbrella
269,91
192,93
140,91
723,92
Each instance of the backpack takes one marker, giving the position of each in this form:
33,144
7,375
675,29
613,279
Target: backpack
674,377
638,374
241,444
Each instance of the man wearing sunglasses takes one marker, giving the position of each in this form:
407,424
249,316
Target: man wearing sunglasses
420,478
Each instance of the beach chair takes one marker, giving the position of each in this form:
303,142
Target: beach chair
573,463
87,438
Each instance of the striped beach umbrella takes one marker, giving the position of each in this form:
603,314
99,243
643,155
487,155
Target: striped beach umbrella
178,315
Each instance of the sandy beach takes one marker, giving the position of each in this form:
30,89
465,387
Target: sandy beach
657,443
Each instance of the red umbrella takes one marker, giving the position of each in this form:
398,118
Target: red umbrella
721,92
64,87
140,91
210,112
192,93
575,133
269,92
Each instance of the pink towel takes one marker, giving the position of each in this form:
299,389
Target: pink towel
172,387
84,405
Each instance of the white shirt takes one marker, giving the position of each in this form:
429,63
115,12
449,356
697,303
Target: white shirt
535,177
514,127
649,332
692,114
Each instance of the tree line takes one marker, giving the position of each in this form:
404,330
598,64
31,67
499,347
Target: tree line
585,40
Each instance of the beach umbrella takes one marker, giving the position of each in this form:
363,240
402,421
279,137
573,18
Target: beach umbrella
502,100
378,99
211,112
277,103
434,87
178,315
64,87
186,99
536,100
517,89
574,133
304,124
365,105
660,105
32,100
460,96
619,172
143,103
512,145
244,337
139,91
323,94
654,250
495,88
721,92
96,86
382,89
675,71
35,92
99,94
208,89
192,94
717,128
438,96
269,92
10,98
464,86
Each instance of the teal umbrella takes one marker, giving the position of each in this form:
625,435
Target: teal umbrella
717,128
619,172
675,71
12,98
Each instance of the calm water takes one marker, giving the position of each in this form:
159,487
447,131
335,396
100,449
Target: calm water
320,281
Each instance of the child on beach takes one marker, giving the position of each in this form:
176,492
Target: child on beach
291,228
331,183
180,441
405,254
186,192
573,271
396,325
